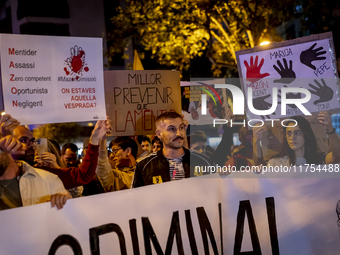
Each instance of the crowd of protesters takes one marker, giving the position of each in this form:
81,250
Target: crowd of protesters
28,177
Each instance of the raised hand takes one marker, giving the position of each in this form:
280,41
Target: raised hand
8,124
10,145
253,70
287,74
290,96
46,159
325,119
324,92
101,129
260,104
310,55
258,132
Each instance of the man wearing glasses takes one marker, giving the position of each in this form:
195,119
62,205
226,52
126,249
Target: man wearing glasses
73,176
25,136
116,172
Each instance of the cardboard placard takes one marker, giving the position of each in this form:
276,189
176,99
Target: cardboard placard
135,98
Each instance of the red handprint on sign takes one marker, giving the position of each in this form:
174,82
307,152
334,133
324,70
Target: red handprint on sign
76,62
253,71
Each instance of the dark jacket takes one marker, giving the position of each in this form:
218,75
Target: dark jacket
154,168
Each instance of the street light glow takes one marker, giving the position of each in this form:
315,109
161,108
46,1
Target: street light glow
264,43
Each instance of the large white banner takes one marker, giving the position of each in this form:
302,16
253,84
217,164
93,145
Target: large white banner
306,65
50,79
263,215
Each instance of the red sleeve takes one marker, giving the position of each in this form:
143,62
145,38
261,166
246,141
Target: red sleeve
81,175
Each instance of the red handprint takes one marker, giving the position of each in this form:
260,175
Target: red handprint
76,62
76,59
253,71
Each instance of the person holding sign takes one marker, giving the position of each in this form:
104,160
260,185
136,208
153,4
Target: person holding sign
23,185
72,176
173,162
117,173
300,146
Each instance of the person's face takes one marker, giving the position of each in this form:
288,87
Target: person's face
295,137
145,146
194,114
156,146
25,136
171,132
70,157
119,157
198,147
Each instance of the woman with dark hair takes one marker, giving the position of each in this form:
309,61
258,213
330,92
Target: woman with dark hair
300,146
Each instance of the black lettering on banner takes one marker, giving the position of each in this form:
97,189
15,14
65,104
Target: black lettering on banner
104,229
272,225
243,208
221,228
190,231
65,240
175,228
205,227
134,236
150,234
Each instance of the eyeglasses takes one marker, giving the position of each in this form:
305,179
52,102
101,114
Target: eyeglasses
26,140
114,151
297,133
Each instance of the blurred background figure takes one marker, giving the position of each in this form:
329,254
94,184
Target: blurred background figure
156,144
69,155
146,146
198,142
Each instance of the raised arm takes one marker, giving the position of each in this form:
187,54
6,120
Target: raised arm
104,170
77,176
223,149
334,141
257,149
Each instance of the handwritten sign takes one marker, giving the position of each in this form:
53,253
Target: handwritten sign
135,98
49,79
308,64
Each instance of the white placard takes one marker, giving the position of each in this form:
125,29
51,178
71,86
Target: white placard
50,79
306,65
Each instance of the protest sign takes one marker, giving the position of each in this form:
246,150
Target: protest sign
135,98
215,102
301,63
50,79
193,216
